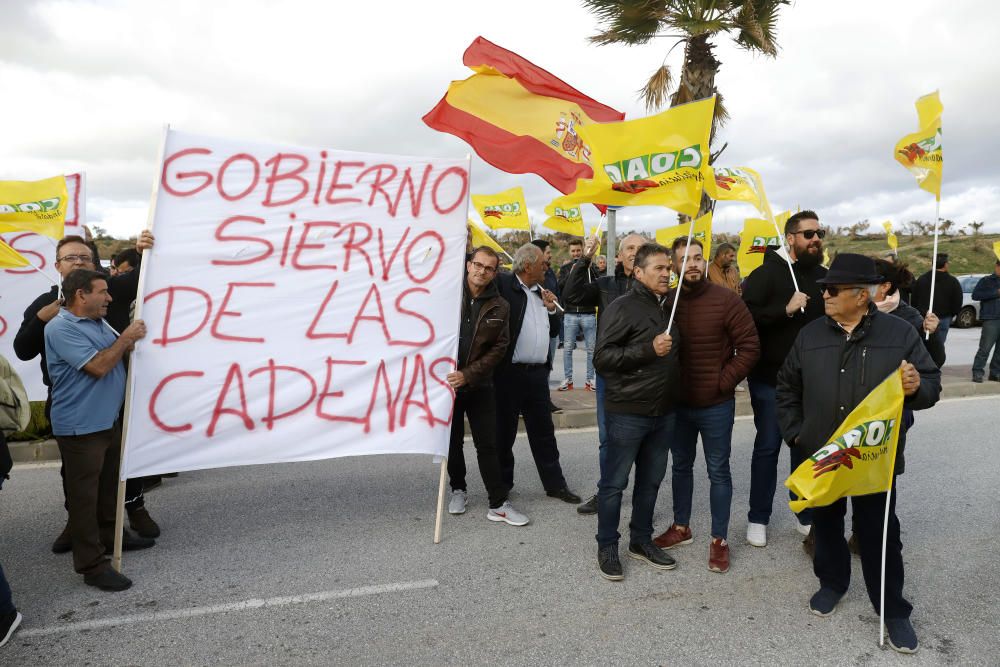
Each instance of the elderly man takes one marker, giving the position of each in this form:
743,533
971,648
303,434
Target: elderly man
835,363
72,253
723,270
603,292
522,379
638,360
85,361
482,342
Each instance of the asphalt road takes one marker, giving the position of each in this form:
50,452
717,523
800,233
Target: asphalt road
333,563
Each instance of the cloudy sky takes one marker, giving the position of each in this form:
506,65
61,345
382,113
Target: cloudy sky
89,84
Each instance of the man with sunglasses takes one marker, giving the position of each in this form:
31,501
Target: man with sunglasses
482,342
834,363
779,312
73,252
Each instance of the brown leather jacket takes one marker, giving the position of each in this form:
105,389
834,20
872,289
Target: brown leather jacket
490,337
719,344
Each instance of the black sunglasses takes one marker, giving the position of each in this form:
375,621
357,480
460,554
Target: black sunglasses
809,233
833,290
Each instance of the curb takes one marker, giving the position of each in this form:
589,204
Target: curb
46,450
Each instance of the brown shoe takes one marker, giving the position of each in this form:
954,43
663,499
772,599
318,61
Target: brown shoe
142,523
674,536
809,545
718,555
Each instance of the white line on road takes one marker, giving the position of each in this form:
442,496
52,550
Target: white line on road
244,605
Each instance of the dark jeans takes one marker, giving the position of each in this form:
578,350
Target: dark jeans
480,406
715,425
6,600
645,443
92,463
523,390
832,563
944,324
602,431
766,452
988,339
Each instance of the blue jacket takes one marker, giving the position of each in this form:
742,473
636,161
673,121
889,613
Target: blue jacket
988,296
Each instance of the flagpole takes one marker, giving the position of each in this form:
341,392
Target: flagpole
440,503
612,240
885,536
680,278
788,254
930,304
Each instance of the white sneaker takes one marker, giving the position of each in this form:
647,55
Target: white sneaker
757,534
507,514
457,503
803,528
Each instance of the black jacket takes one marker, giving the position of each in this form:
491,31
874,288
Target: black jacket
637,381
828,373
947,294
587,303
509,287
766,292
602,292
933,344
483,336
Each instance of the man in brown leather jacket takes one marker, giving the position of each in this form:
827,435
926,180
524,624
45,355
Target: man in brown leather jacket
483,340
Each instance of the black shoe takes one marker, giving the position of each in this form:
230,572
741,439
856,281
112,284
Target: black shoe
108,580
824,601
554,409
902,638
143,524
131,542
150,483
651,554
610,566
63,543
977,379
994,378
589,507
9,623
565,495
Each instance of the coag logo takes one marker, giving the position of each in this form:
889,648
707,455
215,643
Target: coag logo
648,166
568,213
839,452
43,205
500,210
760,243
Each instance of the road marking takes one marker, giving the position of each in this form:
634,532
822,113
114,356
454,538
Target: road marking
244,605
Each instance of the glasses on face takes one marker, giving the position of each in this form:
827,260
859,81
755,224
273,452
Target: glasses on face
833,290
73,259
478,266
809,233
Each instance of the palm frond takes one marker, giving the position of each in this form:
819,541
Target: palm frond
626,21
756,25
654,93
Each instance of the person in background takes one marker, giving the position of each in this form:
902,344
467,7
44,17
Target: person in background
947,295
723,270
602,265
987,293
580,316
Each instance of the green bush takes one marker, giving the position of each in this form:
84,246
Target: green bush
38,428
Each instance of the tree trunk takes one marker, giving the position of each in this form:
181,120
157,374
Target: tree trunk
697,83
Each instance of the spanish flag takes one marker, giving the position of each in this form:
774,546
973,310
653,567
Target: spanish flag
702,232
858,458
920,152
660,160
34,206
520,118
10,258
505,210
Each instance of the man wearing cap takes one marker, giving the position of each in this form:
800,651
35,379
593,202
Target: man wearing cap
835,362
947,295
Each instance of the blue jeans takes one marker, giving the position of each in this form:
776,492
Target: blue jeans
988,339
6,601
645,443
715,424
574,323
944,323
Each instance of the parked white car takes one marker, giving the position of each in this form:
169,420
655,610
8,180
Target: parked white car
969,315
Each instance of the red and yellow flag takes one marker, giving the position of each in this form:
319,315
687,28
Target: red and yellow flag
520,118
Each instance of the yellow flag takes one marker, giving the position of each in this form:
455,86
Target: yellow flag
568,220
737,184
890,238
659,160
702,232
996,249
10,258
34,206
859,457
480,238
504,210
826,258
754,239
920,152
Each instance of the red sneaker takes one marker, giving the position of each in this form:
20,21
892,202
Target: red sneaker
718,555
673,536
567,385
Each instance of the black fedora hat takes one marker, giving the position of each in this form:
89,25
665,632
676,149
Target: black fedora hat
849,268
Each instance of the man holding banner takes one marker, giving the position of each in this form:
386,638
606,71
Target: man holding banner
835,363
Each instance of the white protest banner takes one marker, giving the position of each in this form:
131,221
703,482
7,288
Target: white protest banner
301,304
19,287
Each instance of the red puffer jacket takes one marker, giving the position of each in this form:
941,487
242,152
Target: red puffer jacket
719,344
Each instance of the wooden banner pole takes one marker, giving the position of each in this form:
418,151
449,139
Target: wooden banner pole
440,503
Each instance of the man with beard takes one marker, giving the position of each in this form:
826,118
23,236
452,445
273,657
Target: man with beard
779,312
723,270
603,292
718,348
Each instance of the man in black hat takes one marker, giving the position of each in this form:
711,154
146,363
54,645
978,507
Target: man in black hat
835,363
947,301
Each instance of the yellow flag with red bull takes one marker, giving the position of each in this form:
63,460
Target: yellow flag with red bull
858,458
504,210
660,160
921,152
702,233
755,237
737,184
34,206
